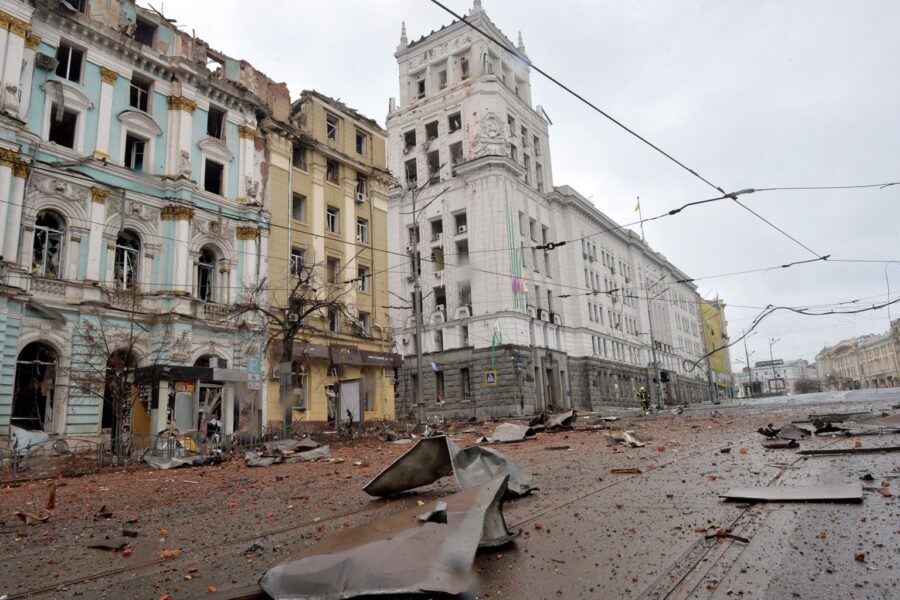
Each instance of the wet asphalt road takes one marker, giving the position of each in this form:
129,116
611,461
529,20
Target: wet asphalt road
588,533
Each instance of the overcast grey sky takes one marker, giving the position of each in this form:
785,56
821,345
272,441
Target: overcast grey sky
750,94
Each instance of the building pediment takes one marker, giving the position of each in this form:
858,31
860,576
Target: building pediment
216,149
140,122
71,95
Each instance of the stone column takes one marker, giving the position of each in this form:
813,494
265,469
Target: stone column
7,159
182,215
13,219
12,49
95,239
249,235
318,212
349,225
228,409
248,190
31,44
108,79
181,117
160,422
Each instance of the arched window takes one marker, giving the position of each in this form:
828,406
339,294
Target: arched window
206,275
33,392
128,252
49,231
117,391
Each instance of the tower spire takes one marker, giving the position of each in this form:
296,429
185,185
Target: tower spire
403,39
476,7
521,44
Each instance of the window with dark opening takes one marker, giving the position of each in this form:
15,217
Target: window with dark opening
362,230
364,321
331,127
332,220
212,177
49,231
362,143
411,175
332,171
456,153
70,61
298,261
298,207
362,185
466,383
144,32
454,122
464,68
459,221
434,165
63,126
206,271
334,323
134,152
298,158
462,253
79,5
215,123
128,251
363,275
420,88
333,270
431,131
139,94
442,78
409,139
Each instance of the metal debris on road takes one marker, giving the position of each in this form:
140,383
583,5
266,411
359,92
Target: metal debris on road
275,456
626,471
507,432
628,438
779,444
400,554
433,458
788,431
823,492
548,421
833,451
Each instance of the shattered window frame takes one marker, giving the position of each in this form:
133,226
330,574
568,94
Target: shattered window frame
298,261
71,62
362,143
298,207
127,260
214,184
139,91
215,122
47,248
145,32
332,126
363,274
362,230
299,157
63,131
332,171
135,152
206,275
454,122
333,219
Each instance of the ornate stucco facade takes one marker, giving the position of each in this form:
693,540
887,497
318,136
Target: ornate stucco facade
715,328
871,361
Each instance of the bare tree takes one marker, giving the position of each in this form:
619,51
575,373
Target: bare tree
108,345
312,306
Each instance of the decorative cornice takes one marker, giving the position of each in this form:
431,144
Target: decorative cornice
21,170
182,103
8,157
32,41
108,75
174,212
247,233
15,25
98,195
225,270
246,133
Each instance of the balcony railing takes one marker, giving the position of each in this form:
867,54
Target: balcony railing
51,287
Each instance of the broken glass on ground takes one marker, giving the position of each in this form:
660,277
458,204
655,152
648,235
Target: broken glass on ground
401,554
433,458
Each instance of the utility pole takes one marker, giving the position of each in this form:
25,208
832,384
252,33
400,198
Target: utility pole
659,389
772,342
749,368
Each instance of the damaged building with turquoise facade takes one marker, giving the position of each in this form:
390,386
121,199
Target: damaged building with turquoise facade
133,186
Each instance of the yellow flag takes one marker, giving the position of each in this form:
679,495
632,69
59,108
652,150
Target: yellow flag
637,206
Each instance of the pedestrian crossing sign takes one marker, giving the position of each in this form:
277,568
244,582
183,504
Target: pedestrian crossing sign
490,378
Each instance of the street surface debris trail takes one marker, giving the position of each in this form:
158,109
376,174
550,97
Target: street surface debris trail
610,520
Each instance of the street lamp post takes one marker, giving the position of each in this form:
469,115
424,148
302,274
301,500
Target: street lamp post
772,342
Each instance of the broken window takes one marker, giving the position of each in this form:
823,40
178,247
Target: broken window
454,122
413,235
144,32
539,176
79,5
526,162
362,143
442,78
331,127
363,274
298,207
437,228
536,142
409,139
332,220
462,253
463,68
35,379
332,171
63,127
456,153
134,152
465,379
128,250
437,258
533,229
333,270
364,323
439,375
298,158
411,172
215,123
431,131
420,87
434,165
459,221
362,185
212,177
334,323
206,275
139,94
298,261
514,152
440,298
70,62
49,232
465,293
511,123
362,230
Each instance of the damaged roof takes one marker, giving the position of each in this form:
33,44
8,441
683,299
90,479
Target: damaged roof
352,112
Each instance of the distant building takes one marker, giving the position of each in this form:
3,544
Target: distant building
715,327
870,361
776,377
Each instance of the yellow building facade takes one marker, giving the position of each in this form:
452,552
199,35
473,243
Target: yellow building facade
715,328
328,185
